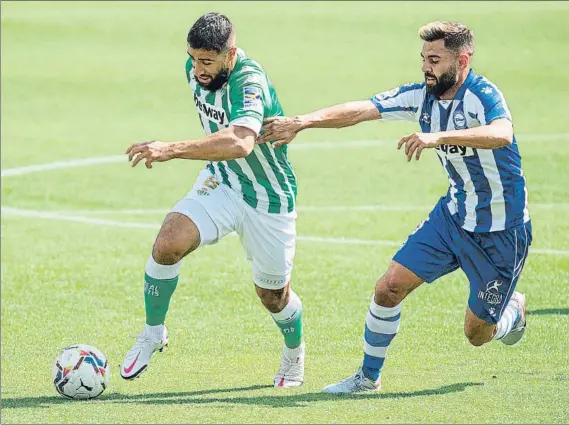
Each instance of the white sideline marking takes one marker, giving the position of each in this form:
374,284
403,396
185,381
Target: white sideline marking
347,241
72,163
130,224
76,218
71,215
343,208
321,208
58,165
332,208
531,138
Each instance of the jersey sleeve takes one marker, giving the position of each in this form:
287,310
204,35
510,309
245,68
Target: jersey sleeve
248,96
491,104
400,103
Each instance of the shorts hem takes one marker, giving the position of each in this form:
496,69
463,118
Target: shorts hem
397,258
487,317
270,281
195,216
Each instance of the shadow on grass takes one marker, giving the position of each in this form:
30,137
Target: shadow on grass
193,397
546,311
27,402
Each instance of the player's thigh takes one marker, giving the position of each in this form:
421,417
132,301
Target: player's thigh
425,255
269,241
493,263
210,207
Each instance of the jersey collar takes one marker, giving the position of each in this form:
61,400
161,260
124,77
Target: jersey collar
470,77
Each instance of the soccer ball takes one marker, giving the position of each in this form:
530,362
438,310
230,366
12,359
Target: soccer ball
80,372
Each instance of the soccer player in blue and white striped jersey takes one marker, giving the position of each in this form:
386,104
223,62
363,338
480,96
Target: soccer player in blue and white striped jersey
481,225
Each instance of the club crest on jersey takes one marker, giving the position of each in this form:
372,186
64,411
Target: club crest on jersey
211,112
251,97
459,120
387,94
426,118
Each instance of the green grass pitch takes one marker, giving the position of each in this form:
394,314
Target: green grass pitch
86,79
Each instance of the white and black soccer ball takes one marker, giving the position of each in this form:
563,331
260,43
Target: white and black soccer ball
80,372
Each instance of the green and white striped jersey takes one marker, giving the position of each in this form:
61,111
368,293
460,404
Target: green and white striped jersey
265,179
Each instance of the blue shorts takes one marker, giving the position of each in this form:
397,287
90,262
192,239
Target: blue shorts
492,261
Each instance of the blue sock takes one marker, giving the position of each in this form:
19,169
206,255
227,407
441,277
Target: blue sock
371,373
382,324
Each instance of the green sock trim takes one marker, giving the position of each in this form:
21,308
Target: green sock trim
157,294
292,331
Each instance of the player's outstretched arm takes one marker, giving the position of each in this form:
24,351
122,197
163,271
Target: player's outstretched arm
230,143
497,134
282,130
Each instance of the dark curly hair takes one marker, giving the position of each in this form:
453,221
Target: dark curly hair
211,31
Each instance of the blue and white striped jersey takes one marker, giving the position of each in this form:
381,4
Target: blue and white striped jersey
487,186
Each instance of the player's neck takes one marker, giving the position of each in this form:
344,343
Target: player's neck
451,93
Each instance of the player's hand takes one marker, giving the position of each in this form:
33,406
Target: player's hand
280,130
416,142
152,151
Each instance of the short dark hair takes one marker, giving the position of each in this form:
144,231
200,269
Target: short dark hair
457,36
211,31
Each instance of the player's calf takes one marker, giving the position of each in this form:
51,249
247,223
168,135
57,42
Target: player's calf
381,325
509,329
178,236
477,330
273,300
479,337
285,307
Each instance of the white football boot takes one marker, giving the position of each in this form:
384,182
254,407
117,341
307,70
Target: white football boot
291,373
356,383
137,359
515,335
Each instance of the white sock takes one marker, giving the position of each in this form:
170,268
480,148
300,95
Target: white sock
289,321
506,323
288,313
292,353
155,332
381,326
161,271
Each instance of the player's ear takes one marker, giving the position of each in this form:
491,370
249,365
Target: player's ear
463,60
231,53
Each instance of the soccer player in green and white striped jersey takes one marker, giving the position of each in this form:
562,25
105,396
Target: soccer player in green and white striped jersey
246,187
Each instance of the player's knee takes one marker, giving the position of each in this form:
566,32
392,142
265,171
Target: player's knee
273,300
178,236
389,291
476,337
167,251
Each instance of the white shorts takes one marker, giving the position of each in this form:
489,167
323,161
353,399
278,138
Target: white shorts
268,239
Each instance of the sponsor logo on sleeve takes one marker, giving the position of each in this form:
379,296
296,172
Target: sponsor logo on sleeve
251,97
